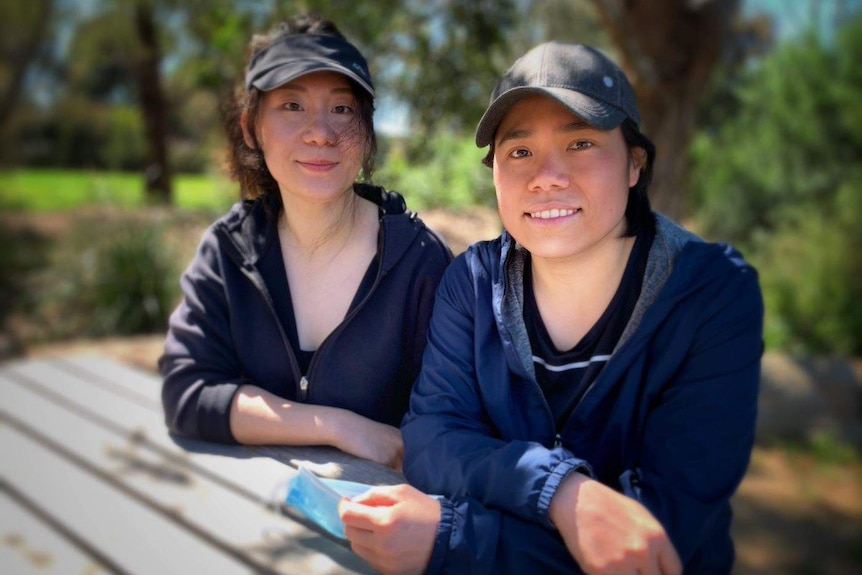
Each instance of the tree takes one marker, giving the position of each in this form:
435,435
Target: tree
670,49
782,178
157,173
24,25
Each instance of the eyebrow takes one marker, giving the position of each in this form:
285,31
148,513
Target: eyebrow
525,133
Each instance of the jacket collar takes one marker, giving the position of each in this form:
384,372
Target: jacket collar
670,241
251,225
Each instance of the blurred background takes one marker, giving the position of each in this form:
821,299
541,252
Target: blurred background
111,155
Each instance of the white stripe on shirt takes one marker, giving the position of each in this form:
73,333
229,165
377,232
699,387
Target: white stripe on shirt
568,366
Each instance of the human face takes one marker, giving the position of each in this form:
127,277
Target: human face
562,185
310,136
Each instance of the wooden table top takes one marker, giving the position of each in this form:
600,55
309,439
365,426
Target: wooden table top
92,482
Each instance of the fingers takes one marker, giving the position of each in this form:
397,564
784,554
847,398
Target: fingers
378,497
669,561
361,516
360,537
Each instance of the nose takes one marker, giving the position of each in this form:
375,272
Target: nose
551,174
320,130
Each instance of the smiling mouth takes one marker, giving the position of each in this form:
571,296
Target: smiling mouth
317,165
551,214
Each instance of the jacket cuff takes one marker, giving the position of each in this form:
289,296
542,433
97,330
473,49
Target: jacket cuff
552,483
214,405
439,554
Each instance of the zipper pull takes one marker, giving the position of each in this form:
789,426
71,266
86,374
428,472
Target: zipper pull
558,440
303,388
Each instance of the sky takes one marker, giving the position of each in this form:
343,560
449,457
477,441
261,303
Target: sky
791,17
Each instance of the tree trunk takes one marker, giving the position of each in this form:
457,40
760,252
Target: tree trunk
157,173
669,49
19,57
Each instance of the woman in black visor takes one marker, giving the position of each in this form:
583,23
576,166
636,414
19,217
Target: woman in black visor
305,310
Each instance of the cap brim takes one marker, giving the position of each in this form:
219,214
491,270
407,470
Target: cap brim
281,75
593,112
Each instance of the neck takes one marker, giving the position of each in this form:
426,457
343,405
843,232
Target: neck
318,228
586,277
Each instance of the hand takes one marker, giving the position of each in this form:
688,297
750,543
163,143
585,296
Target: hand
609,533
393,528
368,439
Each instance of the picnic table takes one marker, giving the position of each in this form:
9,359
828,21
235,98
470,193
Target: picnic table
92,482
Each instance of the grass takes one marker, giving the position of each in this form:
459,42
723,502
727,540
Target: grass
62,190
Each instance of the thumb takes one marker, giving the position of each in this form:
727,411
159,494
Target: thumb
381,496
669,561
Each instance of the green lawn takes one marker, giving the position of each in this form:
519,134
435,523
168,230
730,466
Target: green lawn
59,190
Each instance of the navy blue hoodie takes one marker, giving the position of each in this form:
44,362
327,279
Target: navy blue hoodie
226,332
669,421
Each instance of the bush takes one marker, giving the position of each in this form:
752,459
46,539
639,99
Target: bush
811,273
25,252
115,278
782,178
453,176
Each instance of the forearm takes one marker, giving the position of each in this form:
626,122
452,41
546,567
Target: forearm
258,417
607,532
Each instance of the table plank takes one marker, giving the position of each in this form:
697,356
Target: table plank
29,546
138,387
257,477
237,525
135,538
136,383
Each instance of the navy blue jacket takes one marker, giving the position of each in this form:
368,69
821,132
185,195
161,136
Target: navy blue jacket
226,333
669,421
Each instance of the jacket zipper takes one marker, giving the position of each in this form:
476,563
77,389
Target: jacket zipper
304,380
251,273
343,325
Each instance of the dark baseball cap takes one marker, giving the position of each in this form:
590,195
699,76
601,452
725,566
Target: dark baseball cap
579,77
296,55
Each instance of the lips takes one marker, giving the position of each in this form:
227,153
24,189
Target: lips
317,165
551,214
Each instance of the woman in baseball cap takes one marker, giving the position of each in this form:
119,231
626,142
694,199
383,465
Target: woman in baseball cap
588,396
304,312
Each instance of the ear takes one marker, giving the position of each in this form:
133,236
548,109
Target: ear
637,160
250,141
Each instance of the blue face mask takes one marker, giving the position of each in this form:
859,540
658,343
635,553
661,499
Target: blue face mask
318,498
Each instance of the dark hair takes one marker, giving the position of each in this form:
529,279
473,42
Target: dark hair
639,214
246,164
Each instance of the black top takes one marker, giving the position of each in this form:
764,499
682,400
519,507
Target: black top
284,306
564,376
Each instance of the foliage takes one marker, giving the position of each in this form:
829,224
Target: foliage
812,275
25,252
25,37
54,190
783,178
109,278
452,175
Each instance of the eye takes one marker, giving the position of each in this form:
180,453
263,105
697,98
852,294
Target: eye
519,153
343,109
581,145
292,106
